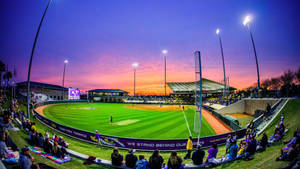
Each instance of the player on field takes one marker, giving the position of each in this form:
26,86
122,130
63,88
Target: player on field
111,119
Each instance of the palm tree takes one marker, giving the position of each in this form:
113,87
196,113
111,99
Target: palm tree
2,69
297,74
7,76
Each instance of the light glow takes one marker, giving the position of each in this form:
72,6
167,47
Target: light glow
164,51
218,31
66,61
247,19
135,65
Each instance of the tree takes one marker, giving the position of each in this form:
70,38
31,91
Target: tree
288,77
2,69
275,83
297,74
266,84
7,76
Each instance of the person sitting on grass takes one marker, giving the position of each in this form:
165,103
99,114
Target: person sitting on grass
262,144
56,150
9,142
291,142
251,147
40,140
156,160
47,146
232,152
116,158
174,161
290,154
142,163
198,156
130,159
212,155
25,160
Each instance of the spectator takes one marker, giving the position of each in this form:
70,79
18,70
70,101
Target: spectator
130,159
232,151
40,140
251,148
189,147
47,146
56,150
98,138
263,143
142,163
25,160
33,127
212,155
156,161
116,158
228,143
198,156
174,161
9,142
3,148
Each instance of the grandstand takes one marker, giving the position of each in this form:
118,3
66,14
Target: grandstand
184,91
42,91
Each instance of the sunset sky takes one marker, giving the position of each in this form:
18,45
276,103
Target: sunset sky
102,38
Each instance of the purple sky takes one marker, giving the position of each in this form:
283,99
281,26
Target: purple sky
102,38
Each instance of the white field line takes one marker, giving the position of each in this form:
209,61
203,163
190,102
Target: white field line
187,124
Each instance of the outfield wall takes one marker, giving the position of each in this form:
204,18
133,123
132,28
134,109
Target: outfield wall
132,143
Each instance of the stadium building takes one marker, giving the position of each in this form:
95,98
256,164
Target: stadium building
107,95
184,91
42,91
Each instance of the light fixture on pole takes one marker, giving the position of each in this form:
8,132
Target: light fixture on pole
134,65
63,81
224,72
30,62
246,22
165,59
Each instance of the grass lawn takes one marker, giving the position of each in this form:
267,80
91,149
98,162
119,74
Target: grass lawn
261,160
152,123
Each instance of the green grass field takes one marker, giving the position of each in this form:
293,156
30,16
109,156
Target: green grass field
152,122
265,159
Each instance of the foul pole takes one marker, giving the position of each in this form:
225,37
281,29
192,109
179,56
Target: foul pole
198,93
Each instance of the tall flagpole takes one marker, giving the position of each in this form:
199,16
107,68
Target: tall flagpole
30,62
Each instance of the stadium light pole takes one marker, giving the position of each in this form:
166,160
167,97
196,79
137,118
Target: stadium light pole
165,58
30,62
134,65
246,22
224,72
63,81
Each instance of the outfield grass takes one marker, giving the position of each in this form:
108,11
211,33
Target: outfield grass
127,122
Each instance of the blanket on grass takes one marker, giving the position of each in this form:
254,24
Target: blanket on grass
40,152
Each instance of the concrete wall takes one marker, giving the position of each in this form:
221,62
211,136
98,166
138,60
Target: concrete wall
248,106
251,105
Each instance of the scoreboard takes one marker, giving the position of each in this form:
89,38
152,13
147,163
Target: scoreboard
74,94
